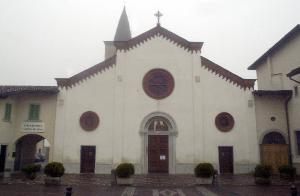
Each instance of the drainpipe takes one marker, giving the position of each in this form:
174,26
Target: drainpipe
288,127
287,117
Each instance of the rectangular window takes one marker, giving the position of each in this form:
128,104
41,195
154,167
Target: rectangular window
34,112
7,113
298,142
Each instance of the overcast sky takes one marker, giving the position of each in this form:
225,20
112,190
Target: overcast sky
44,39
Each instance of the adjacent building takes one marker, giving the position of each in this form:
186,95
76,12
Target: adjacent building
277,102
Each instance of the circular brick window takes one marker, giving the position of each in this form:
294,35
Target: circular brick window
89,121
224,121
158,83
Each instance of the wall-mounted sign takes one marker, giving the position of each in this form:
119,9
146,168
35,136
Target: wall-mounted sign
33,127
162,157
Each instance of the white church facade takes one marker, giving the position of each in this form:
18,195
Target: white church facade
154,101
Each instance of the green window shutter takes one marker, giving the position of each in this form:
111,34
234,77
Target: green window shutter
37,112
34,112
7,114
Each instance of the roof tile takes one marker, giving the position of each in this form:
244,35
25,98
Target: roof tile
16,90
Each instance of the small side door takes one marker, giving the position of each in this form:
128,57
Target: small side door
226,159
87,159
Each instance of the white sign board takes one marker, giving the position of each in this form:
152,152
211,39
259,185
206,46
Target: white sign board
162,157
33,127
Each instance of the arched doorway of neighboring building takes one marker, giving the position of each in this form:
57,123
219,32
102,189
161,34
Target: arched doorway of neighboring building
159,131
274,150
31,148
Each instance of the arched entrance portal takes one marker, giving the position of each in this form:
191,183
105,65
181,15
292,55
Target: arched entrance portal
274,150
31,148
158,131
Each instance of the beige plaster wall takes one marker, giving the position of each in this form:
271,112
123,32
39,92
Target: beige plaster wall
266,107
7,129
12,131
93,94
272,76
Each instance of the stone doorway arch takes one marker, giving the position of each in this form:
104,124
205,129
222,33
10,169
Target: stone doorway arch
159,127
30,149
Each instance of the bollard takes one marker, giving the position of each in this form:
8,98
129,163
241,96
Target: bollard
69,191
293,190
113,177
215,175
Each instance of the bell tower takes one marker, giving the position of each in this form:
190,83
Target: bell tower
123,33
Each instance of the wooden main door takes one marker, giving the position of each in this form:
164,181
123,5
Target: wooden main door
87,160
226,159
274,150
274,155
158,153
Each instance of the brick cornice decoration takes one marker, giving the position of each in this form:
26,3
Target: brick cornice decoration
158,30
224,73
68,82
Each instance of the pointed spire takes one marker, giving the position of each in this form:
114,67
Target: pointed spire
123,30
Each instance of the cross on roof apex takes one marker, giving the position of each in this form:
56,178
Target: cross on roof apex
158,14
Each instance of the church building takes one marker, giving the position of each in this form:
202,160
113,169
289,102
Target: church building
154,101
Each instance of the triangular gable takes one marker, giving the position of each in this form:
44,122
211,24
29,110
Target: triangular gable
285,39
158,30
222,72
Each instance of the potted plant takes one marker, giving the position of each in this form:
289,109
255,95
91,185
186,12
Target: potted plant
124,171
30,171
287,172
54,171
262,174
204,173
